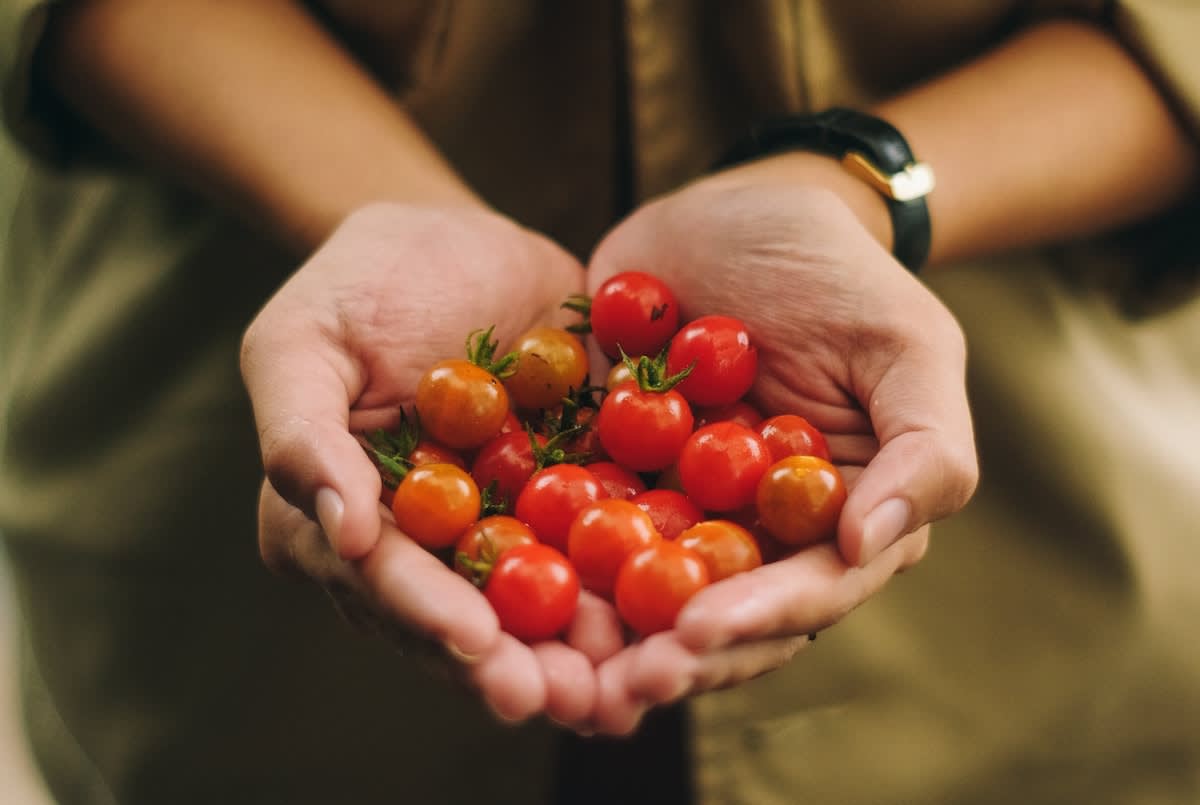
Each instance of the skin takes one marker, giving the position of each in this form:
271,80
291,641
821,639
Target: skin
887,390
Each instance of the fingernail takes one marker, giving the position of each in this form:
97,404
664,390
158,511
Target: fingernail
466,658
882,527
503,717
329,514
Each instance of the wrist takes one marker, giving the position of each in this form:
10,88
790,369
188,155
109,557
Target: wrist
814,169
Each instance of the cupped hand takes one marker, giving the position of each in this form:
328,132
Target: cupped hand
335,352
848,339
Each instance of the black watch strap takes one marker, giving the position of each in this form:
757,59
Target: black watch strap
870,148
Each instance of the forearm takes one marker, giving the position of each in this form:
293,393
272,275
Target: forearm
251,103
1056,134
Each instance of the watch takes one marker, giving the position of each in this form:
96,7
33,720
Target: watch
869,148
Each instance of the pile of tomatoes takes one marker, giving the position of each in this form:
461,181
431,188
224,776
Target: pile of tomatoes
534,485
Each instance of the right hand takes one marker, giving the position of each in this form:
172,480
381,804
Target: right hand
337,350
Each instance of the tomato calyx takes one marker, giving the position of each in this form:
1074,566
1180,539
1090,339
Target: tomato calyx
567,416
491,502
391,449
651,373
481,351
582,304
553,452
479,569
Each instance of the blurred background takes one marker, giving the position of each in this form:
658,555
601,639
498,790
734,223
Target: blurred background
19,783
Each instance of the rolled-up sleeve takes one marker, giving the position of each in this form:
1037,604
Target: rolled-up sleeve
1165,36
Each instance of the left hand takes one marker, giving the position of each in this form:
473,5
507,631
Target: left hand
848,339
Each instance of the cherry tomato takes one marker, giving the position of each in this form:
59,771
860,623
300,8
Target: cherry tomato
511,423
435,503
553,497
461,405
671,512
602,536
669,479
655,582
634,311
724,357
720,465
725,547
643,430
552,363
741,412
618,481
618,374
508,461
769,548
800,499
534,590
424,453
791,435
486,541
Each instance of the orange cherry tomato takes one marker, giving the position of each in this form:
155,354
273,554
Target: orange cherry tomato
552,363
602,536
435,503
485,542
461,405
725,547
655,582
800,499
618,374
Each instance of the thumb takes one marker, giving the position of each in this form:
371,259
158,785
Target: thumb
926,466
301,385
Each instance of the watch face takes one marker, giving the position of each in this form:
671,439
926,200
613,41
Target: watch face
915,181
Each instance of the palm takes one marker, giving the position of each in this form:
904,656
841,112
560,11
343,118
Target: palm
847,339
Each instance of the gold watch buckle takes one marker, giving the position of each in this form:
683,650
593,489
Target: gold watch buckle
915,181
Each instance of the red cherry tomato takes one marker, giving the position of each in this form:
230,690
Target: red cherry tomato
486,541
720,465
511,423
671,512
655,582
618,481
643,430
634,311
461,405
434,453
725,547
800,499
508,461
552,362
553,498
534,590
602,536
740,412
791,435
724,357
435,503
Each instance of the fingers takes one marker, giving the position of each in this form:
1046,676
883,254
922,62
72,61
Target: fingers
570,683
664,670
661,669
596,630
802,594
509,678
301,386
926,467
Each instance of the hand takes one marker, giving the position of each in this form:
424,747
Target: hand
848,339
336,351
